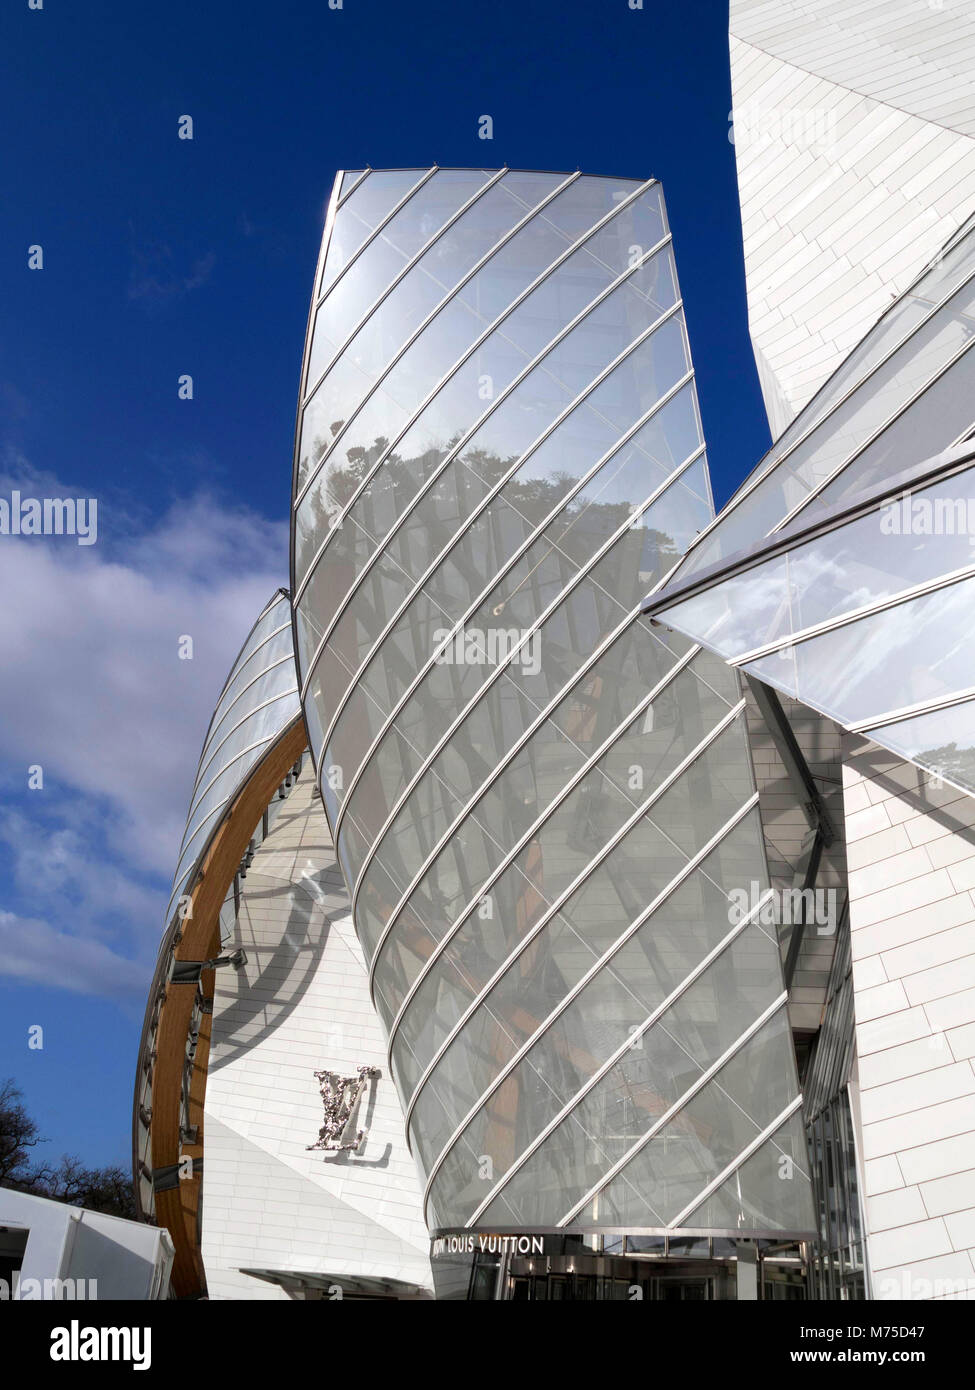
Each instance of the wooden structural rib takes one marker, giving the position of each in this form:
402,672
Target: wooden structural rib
197,940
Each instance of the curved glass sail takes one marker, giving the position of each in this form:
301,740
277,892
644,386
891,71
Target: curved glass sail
257,703
542,806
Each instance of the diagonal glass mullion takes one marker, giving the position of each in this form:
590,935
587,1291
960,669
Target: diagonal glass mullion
561,899
188,837
674,1110
389,717
906,713
555,906
553,704
605,961
767,1133
411,263
496,492
265,670
469,352
589,765
855,615
532,537
426,760
245,654
710,1079
453,455
380,227
265,704
544,715
752,484
894,416
344,196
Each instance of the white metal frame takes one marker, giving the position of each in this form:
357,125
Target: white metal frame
553,908
753,1028
607,1066
570,250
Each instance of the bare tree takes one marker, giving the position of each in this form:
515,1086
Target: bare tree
18,1136
106,1189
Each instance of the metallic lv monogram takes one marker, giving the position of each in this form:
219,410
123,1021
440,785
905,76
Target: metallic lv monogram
340,1097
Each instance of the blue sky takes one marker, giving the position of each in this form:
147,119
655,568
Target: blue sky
164,256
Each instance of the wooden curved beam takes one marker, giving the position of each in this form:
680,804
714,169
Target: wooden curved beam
177,1207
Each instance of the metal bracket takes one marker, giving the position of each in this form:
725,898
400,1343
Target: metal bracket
167,1179
789,751
188,972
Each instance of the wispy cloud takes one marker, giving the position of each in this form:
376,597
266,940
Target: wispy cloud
33,951
158,276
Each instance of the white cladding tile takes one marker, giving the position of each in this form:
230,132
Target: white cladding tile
849,102
301,1004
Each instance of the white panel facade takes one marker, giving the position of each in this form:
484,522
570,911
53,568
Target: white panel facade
911,849
854,132
300,1005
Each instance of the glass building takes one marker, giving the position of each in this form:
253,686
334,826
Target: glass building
625,905
539,803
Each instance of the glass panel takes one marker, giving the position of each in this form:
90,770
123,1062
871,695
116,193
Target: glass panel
493,566
370,204
477,539
942,741
522,783
906,655
550,653
404,306
427,526
907,542
624,1105
349,180
499,714
269,653
743,981
263,672
513,340
943,414
707,1134
384,259
270,685
607,899
945,275
917,360
769,1192
639,759
262,723
196,835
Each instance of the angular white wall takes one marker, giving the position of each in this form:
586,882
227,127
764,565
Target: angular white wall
911,849
855,143
300,1005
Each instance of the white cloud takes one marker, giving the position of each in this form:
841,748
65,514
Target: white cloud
33,951
93,690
